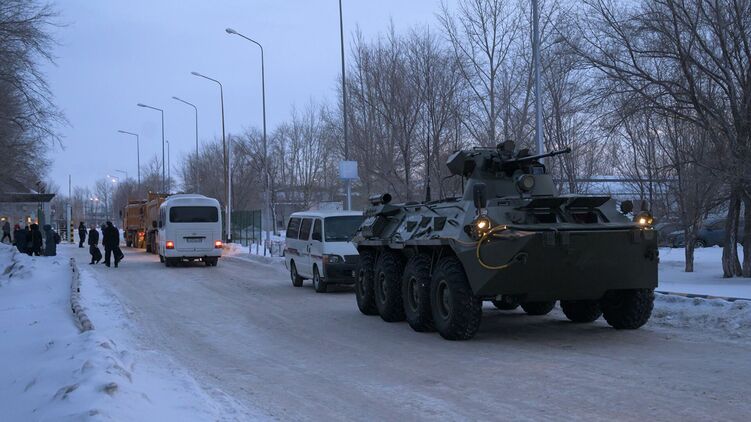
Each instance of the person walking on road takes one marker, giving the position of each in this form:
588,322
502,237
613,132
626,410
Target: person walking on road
51,239
111,243
96,254
19,236
6,232
36,242
81,234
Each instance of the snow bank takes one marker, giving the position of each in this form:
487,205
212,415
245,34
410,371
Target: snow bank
707,276
732,318
51,371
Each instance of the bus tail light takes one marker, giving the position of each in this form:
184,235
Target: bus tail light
218,244
169,245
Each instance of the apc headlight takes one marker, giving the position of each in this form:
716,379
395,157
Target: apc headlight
525,182
482,224
644,219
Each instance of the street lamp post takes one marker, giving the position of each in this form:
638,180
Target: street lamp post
270,225
161,111
198,183
344,105
125,172
138,152
228,200
169,170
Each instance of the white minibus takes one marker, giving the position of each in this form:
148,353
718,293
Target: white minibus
190,228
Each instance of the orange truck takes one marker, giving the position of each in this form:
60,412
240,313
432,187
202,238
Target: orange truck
133,224
139,221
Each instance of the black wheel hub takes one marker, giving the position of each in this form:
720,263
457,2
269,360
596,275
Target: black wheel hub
444,299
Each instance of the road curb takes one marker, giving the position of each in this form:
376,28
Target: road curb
697,296
79,315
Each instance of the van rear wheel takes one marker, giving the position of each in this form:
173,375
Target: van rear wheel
294,276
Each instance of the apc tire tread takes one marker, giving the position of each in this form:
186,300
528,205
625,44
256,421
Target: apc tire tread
628,309
387,286
581,311
364,292
506,303
420,317
466,313
538,308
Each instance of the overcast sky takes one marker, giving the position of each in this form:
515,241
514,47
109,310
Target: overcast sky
114,54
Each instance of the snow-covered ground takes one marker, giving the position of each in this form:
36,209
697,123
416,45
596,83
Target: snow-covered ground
707,276
51,371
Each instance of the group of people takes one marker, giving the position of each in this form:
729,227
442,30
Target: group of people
110,242
32,241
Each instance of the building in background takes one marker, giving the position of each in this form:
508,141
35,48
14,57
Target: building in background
22,205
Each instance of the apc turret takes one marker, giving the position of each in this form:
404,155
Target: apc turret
510,239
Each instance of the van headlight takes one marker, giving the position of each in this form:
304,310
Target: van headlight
333,259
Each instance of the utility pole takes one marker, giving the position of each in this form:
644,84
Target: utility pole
69,211
344,106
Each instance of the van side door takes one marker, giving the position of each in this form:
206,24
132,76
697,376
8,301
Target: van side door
305,268
316,247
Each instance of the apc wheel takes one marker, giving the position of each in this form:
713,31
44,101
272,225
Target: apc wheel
318,284
416,293
387,286
581,310
507,303
628,309
538,308
456,311
294,276
364,283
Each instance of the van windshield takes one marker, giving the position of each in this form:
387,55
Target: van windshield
193,215
341,229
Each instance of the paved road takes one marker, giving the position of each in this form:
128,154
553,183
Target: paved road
297,355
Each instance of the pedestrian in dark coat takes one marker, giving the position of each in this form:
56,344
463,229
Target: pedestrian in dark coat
36,241
51,239
96,254
6,232
19,236
81,234
111,243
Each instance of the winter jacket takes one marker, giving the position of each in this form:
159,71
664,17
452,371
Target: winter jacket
19,236
110,237
36,238
93,237
50,241
6,227
82,232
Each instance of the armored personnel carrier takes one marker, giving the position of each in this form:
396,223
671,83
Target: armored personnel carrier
510,239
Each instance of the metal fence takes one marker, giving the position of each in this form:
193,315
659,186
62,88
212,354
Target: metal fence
246,226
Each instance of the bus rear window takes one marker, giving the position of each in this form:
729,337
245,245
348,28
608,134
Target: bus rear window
193,215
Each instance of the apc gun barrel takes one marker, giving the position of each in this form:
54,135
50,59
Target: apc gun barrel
537,157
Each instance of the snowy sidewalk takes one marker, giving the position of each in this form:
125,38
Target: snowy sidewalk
707,276
51,371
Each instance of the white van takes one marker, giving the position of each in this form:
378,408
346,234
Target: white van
190,228
319,247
